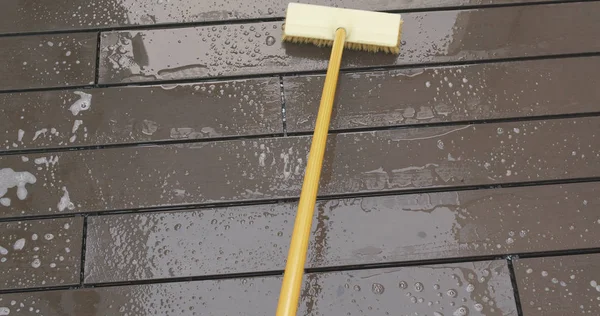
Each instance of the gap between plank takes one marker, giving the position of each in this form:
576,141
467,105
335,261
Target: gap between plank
513,280
308,72
255,274
165,142
225,204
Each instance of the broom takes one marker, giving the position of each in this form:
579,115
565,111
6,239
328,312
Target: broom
325,26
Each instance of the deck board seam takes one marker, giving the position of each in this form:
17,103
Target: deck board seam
283,114
211,205
513,281
83,250
285,133
352,70
328,269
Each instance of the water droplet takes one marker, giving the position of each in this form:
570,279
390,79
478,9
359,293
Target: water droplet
377,288
36,263
49,236
214,222
478,307
451,293
403,285
270,40
470,288
436,286
19,244
461,311
529,271
500,131
419,287
357,288
544,273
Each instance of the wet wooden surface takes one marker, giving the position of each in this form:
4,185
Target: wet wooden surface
448,94
44,61
478,142
41,15
272,168
427,37
466,288
345,232
40,253
85,117
565,285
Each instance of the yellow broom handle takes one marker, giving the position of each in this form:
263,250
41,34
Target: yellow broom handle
294,269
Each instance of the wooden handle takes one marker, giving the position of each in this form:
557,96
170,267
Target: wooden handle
294,269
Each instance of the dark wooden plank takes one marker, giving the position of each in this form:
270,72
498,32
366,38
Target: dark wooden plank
559,286
346,232
244,170
40,253
460,289
428,37
448,94
47,61
43,15
139,114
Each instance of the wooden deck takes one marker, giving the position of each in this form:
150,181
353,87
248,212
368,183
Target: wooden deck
152,152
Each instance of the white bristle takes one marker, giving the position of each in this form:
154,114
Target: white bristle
366,30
